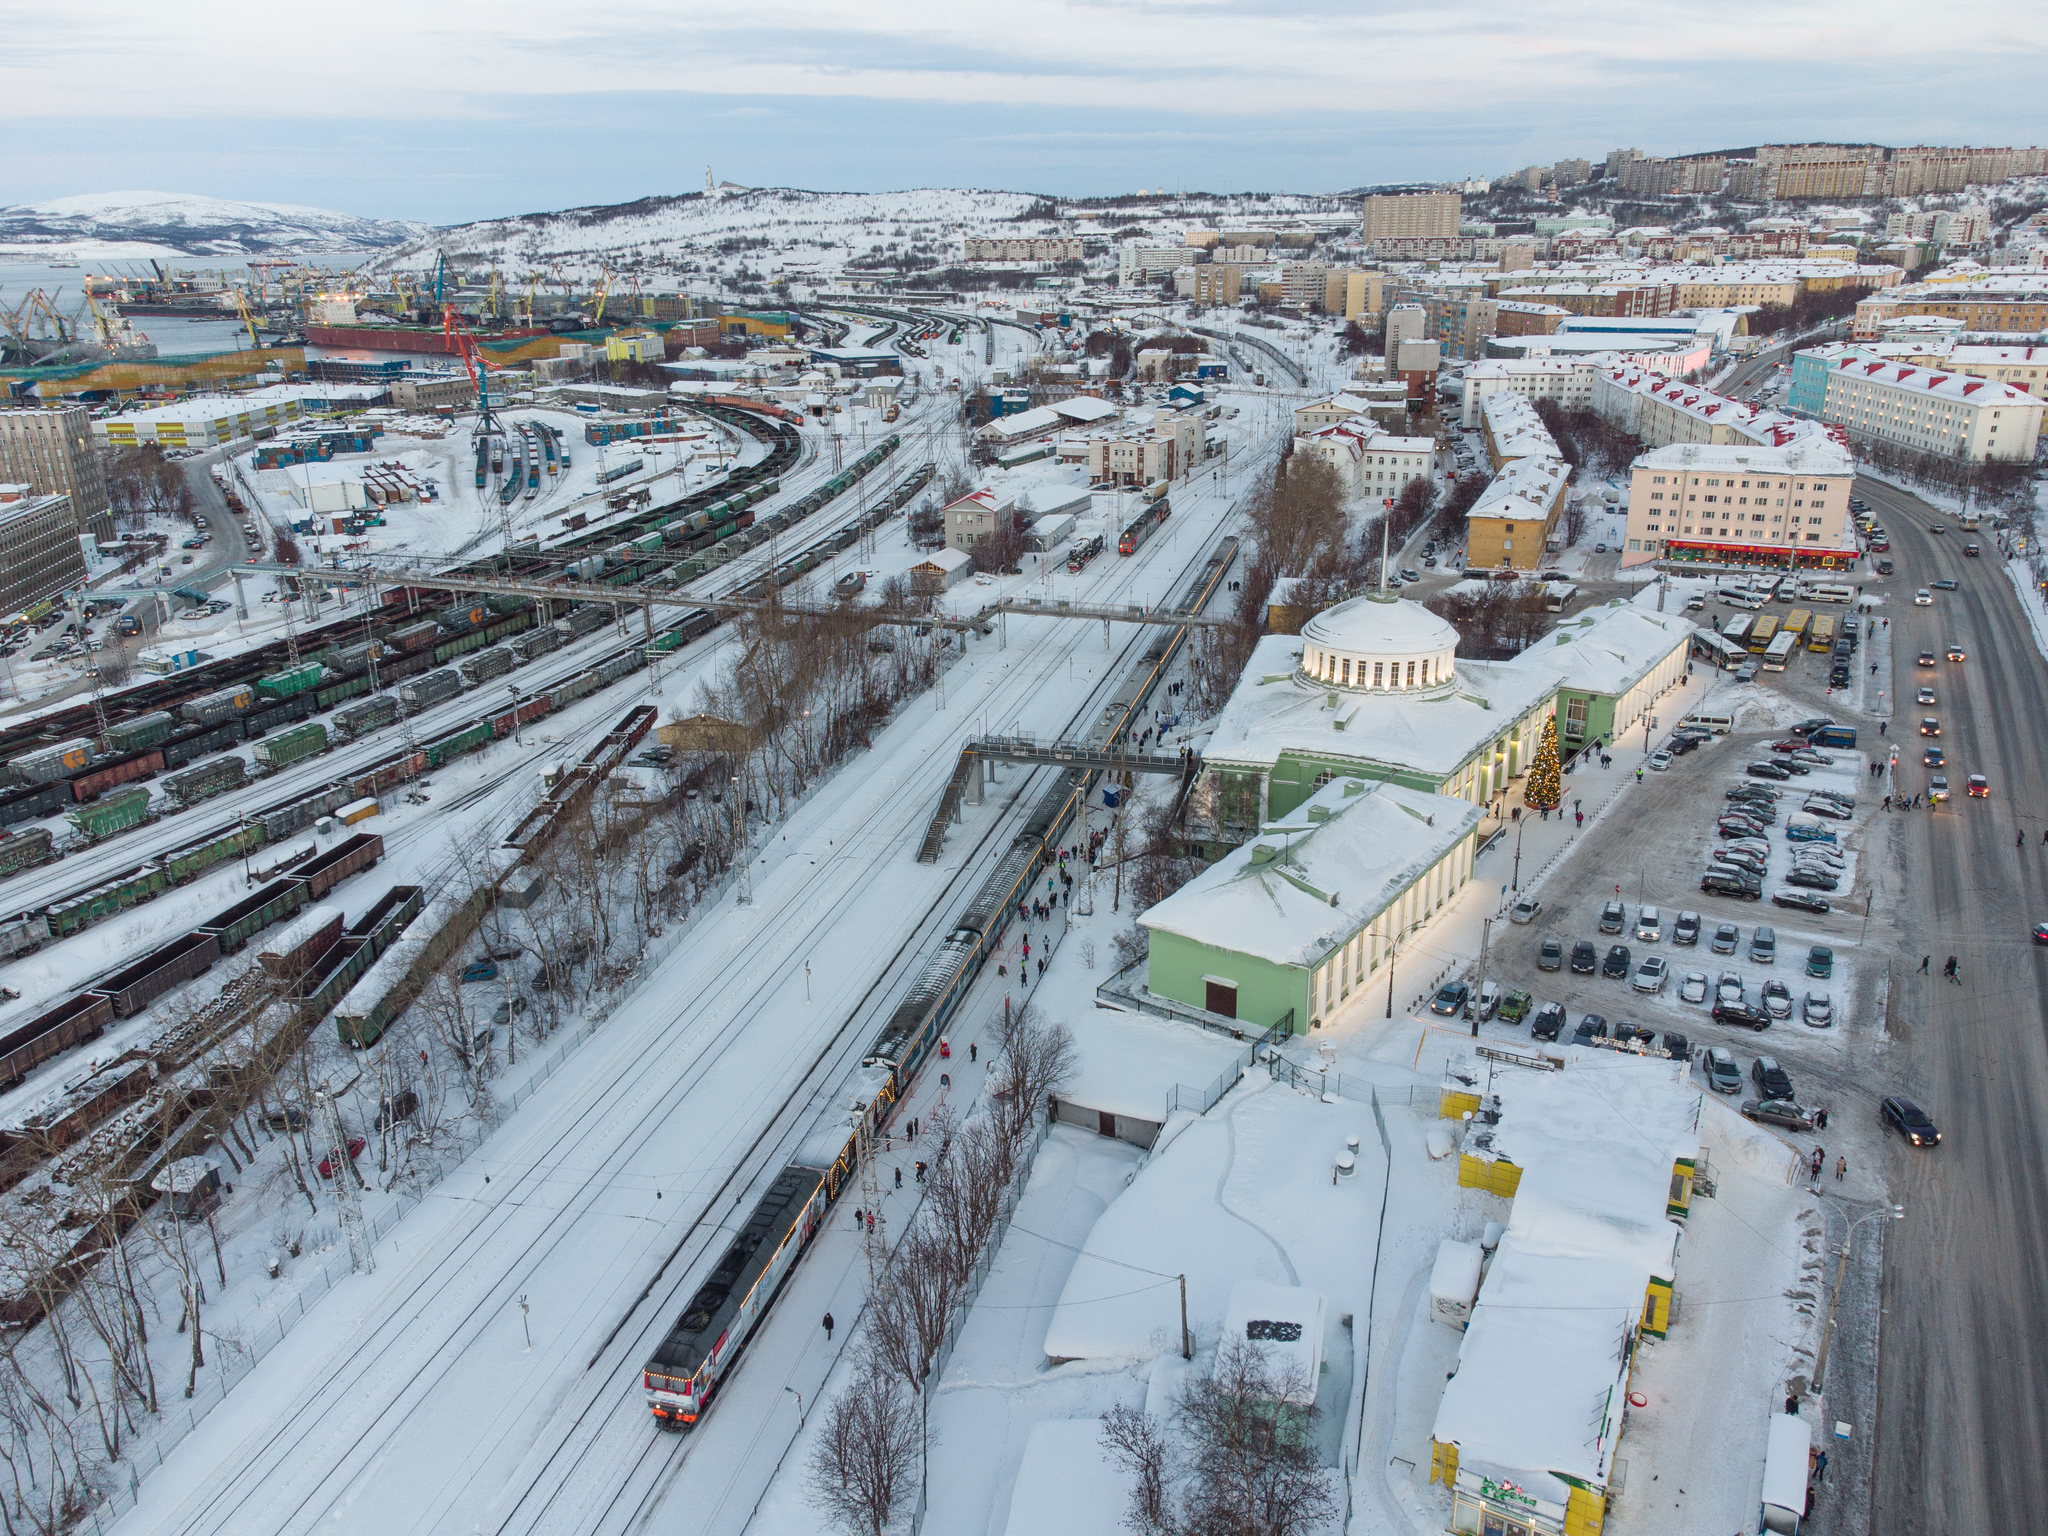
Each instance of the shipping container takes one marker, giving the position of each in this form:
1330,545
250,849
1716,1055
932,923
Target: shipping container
134,987
434,688
195,859
292,681
253,913
295,949
358,720
21,850
226,704
111,813
149,730
213,777
57,762
465,740
485,665
350,856
355,811
112,772
288,747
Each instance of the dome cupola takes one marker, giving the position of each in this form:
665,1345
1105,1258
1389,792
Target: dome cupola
1379,644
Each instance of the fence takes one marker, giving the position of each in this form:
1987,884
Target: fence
235,1360
1317,1080
1125,994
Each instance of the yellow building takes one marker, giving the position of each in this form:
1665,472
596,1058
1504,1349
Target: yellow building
1511,525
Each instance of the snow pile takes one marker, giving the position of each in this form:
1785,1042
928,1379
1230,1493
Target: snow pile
1130,1064
1242,1194
1067,1483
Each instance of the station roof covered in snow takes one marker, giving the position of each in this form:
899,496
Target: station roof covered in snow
1610,649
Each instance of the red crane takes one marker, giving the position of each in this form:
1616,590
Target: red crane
465,345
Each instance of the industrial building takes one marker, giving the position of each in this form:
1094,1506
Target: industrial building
52,449
40,552
429,391
205,421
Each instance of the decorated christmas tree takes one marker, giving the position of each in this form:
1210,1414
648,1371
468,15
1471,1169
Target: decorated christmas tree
1545,789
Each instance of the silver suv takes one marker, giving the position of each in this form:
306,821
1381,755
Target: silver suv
1763,946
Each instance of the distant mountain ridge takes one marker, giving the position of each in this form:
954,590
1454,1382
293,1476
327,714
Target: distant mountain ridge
195,226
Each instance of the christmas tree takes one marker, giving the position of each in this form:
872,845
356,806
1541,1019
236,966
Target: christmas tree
1545,789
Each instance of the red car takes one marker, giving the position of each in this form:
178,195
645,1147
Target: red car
355,1150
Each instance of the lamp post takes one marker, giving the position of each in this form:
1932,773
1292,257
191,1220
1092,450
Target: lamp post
1827,1332
1516,884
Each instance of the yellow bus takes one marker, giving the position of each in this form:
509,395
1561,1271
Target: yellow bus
1763,632
1795,624
1823,633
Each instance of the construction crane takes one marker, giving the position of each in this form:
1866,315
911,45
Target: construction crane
497,287
532,290
248,319
466,346
604,288
440,277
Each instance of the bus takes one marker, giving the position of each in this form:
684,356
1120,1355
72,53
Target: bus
1823,637
1736,630
1763,632
1776,653
1795,624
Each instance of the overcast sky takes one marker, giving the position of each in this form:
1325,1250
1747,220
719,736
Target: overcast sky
456,109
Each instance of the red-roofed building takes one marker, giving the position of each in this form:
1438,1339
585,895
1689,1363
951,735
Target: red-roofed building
1933,411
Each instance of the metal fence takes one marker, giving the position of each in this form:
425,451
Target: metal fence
1125,993
235,1359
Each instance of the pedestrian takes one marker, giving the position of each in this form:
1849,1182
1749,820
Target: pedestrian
1820,1120
856,1218
1820,1467
1792,1402
1955,971
1881,726
899,1185
920,1173
1817,1162
1582,817
973,1050
1576,804
1841,1169
945,1045
828,1327
1873,669
871,1214
1923,963
2022,841
1041,965
1639,775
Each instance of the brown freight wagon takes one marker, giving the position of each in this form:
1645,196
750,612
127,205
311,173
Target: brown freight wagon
96,781
135,987
78,1018
339,862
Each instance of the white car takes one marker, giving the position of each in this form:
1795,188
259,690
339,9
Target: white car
1659,761
1923,599
1818,1010
1694,988
1730,989
1525,910
1649,976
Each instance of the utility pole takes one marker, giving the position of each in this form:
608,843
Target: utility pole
1485,936
1187,1343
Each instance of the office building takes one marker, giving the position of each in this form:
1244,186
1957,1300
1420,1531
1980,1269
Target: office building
40,554
1412,214
52,448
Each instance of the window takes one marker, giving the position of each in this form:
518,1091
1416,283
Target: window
1377,668
1411,674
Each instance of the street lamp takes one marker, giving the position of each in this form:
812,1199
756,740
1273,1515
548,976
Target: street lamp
1827,1332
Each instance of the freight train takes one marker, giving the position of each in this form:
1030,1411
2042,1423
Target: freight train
711,1333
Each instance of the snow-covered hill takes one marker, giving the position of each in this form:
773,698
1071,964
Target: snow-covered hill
176,223
779,226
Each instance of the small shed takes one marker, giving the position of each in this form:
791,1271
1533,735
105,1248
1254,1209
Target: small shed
191,1184
1454,1283
942,570
521,889
1049,532
1285,1321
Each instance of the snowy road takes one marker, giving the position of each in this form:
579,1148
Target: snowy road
408,1400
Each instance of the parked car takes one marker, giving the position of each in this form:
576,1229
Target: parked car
1729,987
1732,882
1772,1080
1550,955
1486,1002
483,970
1812,878
1820,962
1800,901
1515,1006
1833,810
1613,917
1450,1000
1763,770
355,1150
1777,999
1649,925
1727,938
1676,1046
290,1118
1615,966
1659,761
506,1010
1651,974
1910,1121
1585,958
1548,1022
1724,1072
1525,910
1694,988
1763,945
1817,1010
1782,1113
1742,1015
1686,928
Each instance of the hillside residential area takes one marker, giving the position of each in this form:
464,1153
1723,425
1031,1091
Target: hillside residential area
641,888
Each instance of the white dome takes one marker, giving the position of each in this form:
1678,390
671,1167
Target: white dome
1380,644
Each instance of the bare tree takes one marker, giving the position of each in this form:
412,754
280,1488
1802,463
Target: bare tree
907,1317
1137,1442
860,1467
1034,1061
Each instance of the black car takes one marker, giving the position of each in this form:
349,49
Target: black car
1450,999
1729,882
1547,1022
1838,677
1808,727
1616,966
1550,957
1743,1014
1793,765
1799,899
1767,771
1593,1025
1813,879
1686,930
1677,1047
1585,958
1910,1121
1772,1080
1626,1033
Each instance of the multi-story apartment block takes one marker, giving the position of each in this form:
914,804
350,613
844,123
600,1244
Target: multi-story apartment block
1568,382
2017,304
1820,170
1136,262
40,553
1030,248
1662,410
1511,525
1569,173
1928,410
1210,283
1742,504
1427,215
1513,430
1369,462
53,449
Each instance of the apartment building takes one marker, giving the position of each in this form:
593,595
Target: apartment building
1135,262
1304,284
1424,215
1943,226
1569,173
1513,430
1662,411
1369,462
1928,410
1210,283
1607,300
1352,294
40,553
1029,248
1705,173
53,448
1512,524
1568,382
1742,504
2021,309
1788,171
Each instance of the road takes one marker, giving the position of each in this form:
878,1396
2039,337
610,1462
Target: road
1963,1394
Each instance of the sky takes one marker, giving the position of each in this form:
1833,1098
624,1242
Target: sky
460,110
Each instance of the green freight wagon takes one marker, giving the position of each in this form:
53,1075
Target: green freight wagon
465,740
291,681
501,605
88,907
448,650
189,863
348,688
254,913
21,849
142,732
288,747
111,813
